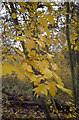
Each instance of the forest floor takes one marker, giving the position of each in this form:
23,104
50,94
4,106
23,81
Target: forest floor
14,108
17,104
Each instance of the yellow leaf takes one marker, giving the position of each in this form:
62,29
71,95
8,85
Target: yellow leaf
41,37
49,6
20,53
21,98
29,44
23,4
73,42
54,66
9,34
38,79
20,38
34,4
32,25
7,69
58,79
32,55
42,21
47,73
44,39
71,46
46,63
76,48
26,66
27,33
50,18
64,89
22,10
19,71
19,32
42,88
40,65
40,42
47,31
51,106
14,15
36,64
41,29
30,75
49,56
52,88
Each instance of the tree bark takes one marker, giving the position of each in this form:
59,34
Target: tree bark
70,53
78,56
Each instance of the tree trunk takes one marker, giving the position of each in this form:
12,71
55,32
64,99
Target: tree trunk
77,77
70,53
78,55
46,110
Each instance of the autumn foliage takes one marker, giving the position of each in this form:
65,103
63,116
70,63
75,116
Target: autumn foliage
27,39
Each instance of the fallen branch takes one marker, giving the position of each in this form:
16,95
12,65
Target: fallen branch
15,100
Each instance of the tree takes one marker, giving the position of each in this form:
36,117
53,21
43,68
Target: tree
72,45
33,30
